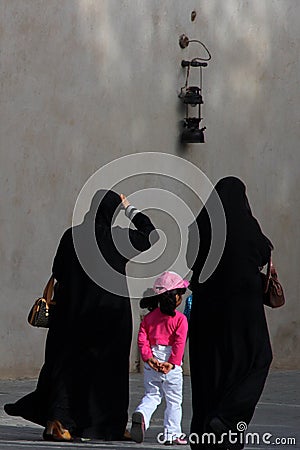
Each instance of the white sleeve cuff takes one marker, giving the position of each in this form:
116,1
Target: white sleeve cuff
131,211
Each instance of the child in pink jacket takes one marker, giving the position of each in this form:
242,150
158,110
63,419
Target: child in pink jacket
161,340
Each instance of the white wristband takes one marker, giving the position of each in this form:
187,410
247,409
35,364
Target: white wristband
131,211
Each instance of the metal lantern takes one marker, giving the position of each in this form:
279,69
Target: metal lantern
191,96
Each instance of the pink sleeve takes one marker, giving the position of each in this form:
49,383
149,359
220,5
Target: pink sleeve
179,341
143,343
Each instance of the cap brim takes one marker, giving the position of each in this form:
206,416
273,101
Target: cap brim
186,283
183,284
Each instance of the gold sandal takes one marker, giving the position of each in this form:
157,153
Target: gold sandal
54,431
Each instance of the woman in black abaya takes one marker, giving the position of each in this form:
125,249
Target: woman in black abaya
230,351
83,387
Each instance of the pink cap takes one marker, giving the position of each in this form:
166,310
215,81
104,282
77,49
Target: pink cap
168,281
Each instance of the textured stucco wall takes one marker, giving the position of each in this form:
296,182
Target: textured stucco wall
84,82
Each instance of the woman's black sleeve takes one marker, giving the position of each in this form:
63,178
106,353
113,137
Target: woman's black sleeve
140,238
263,244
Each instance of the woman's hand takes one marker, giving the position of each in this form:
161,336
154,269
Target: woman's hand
125,202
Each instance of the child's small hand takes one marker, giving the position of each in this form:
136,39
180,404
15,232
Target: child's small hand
154,364
166,367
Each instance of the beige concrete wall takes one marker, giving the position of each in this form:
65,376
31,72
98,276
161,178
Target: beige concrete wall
86,81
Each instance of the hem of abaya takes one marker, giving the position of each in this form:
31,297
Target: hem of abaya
100,437
101,433
219,427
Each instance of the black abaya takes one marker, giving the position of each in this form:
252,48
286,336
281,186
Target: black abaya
84,382
230,351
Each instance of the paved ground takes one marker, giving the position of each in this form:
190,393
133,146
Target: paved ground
278,413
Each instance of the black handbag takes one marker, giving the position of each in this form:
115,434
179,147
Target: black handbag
40,313
273,295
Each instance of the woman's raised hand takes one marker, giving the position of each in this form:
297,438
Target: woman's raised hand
125,202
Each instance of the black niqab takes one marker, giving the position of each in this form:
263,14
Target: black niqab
243,233
232,192
108,207
104,208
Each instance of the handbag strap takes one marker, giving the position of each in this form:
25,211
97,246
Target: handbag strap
269,269
271,273
48,291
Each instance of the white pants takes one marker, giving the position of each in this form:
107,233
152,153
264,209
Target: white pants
158,385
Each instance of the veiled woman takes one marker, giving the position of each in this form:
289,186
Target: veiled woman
230,351
83,387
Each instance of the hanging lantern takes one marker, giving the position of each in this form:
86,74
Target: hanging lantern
191,96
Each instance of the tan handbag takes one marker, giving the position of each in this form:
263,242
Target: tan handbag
273,294
40,313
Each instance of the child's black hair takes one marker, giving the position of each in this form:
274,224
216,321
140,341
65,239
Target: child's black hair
166,301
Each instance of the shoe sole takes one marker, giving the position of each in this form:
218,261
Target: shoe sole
137,427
